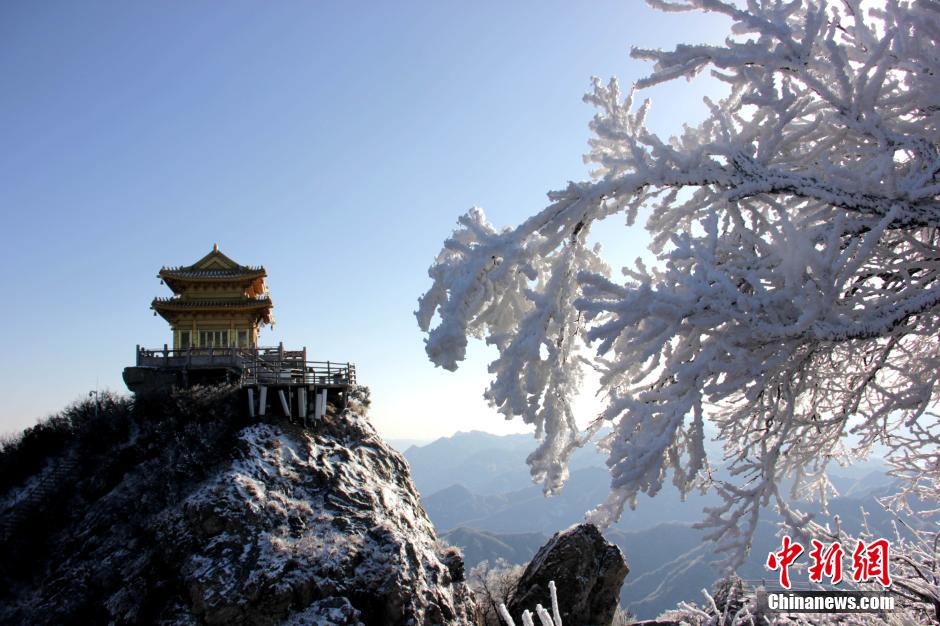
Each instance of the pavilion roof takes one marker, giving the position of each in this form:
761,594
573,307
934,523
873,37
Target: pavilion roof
261,304
214,267
191,273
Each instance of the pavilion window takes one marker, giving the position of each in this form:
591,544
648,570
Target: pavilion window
184,339
213,338
242,338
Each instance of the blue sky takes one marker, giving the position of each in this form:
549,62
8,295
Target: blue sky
334,143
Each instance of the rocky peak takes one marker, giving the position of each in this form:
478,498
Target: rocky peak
286,525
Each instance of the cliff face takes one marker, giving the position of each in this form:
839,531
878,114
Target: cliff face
263,523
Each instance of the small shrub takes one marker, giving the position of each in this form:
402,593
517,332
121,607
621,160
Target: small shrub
622,617
360,399
492,586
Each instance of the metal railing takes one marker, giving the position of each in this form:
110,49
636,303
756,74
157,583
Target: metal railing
257,365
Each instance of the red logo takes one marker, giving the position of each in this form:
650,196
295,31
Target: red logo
869,562
782,560
828,563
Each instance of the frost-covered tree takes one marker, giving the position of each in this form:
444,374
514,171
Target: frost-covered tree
795,306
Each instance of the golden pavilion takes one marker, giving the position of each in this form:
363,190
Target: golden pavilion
217,303
216,311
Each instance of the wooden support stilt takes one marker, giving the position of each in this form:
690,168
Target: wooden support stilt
320,404
302,404
263,400
251,402
284,403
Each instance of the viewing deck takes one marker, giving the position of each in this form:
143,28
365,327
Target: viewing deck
254,366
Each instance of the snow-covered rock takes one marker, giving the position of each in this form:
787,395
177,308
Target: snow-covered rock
587,571
302,517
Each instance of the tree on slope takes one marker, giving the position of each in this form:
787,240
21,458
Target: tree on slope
796,297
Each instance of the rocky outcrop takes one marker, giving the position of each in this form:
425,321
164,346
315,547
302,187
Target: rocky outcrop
587,571
326,517
268,524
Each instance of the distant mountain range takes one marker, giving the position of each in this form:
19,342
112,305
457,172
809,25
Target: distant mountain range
528,510
478,492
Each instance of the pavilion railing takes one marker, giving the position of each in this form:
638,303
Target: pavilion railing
256,365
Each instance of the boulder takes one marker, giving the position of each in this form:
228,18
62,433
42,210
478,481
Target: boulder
587,570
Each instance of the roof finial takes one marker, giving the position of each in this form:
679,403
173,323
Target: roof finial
215,247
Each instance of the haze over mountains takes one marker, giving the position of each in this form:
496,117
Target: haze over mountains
477,490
